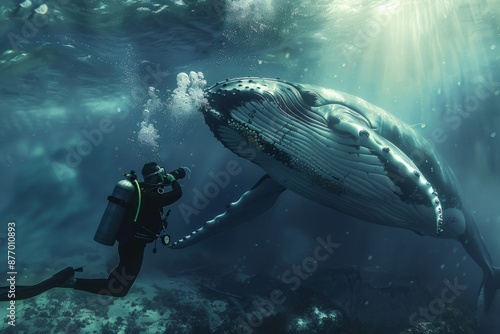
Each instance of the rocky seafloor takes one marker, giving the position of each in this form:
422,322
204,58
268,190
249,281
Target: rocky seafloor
333,301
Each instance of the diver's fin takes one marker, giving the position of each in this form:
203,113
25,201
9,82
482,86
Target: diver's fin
251,204
28,291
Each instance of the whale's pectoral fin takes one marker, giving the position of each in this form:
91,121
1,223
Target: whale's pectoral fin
251,204
399,171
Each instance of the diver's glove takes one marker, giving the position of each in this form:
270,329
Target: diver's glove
170,178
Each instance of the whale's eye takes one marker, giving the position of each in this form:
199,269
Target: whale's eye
310,97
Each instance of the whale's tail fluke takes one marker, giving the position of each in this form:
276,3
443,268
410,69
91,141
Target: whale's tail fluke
487,292
474,244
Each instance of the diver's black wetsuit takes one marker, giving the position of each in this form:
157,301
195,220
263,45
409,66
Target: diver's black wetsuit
132,240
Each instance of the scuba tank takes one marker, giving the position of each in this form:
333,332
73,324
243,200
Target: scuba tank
115,211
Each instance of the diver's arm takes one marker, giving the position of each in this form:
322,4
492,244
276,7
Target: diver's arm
175,194
170,197
167,197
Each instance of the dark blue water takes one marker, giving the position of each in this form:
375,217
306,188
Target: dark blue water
90,90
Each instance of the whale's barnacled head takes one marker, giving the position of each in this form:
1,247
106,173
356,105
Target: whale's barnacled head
225,96
241,99
268,114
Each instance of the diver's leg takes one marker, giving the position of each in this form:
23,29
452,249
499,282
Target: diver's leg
122,277
23,292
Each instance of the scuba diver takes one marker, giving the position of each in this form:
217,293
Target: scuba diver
134,217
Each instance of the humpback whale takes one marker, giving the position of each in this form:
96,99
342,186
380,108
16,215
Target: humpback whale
343,152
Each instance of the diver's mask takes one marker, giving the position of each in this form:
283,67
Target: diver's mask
160,172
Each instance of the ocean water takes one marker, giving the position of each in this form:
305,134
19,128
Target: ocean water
90,90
